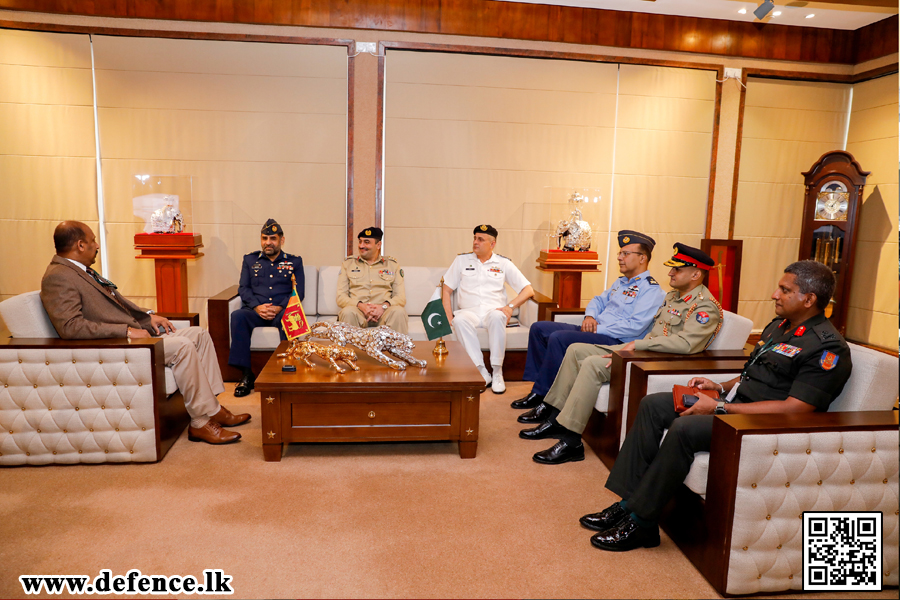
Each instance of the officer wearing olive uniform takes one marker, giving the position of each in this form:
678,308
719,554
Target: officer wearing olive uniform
686,323
370,288
800,365
265,289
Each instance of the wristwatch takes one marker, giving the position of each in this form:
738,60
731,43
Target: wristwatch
720,408
511,306
385,306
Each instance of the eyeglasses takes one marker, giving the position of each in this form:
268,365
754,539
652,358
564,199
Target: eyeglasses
624,254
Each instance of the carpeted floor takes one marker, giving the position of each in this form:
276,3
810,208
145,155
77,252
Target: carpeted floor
350,520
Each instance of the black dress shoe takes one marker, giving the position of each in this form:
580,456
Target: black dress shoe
561,452
604,519
244,386
538,414
627,535
529,401
547,429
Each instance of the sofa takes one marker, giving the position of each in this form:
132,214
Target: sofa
742,527
320,304
605,430
83,401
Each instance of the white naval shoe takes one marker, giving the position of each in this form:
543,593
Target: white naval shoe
498,386
484,373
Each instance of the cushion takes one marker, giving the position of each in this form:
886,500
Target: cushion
873,385
327,292
733,334
25,316
421,283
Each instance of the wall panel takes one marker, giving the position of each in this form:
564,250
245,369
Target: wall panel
47,159
480,139
261,129
872,139
663,144
788,125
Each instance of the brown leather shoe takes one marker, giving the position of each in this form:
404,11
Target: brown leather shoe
228,419
212,433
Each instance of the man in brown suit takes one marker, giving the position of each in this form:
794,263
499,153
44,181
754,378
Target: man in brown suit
82,305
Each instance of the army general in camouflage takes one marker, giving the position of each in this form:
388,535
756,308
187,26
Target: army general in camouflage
370,290
687,322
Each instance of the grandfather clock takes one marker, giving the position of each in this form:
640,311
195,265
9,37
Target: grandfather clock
834,188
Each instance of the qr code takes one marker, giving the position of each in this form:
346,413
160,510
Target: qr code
842,551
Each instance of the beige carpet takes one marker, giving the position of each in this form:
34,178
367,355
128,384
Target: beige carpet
353,520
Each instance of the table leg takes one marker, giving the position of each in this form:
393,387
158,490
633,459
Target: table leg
272,452
467,449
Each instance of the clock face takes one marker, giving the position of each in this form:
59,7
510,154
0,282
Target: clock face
832,202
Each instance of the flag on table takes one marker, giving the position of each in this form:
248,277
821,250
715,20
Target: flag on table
294,319
435,319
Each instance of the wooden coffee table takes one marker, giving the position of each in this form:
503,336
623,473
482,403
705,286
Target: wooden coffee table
374,404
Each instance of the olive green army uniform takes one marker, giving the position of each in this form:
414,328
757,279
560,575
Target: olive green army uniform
681,326
379,283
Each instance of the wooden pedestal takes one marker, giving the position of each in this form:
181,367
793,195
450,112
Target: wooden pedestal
567,269
170,252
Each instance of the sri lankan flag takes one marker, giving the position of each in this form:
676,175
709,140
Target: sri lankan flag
294,319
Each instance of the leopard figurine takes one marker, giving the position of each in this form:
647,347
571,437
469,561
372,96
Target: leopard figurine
302,349
378,342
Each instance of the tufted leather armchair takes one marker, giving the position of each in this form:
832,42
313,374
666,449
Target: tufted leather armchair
742,527
83,401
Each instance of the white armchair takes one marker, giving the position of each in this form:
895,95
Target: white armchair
742,527
605,431
82,401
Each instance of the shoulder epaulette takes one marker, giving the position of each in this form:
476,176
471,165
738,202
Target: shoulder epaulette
501,256
392,258
825,331
651,281
461,253
349,257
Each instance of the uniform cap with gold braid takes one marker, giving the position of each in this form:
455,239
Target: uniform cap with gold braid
627,236
488,229
371,232
271,228
686,256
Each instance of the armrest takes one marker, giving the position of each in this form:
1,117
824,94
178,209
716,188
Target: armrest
218,322
620,398
735,495
191,318
544,304
641,371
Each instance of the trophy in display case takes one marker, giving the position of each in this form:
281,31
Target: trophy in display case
834,188
162,205
573,215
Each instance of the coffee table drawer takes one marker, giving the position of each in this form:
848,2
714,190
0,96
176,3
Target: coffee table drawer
370,413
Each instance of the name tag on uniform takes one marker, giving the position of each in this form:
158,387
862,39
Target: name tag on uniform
256,267
470,268
786,350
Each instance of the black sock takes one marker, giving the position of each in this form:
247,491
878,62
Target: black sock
554,412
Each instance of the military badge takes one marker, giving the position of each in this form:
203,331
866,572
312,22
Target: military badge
401,273
652,281
828,361
256,267
688,298
673,311
496,270
800,331
483,228
626,239
702,318
786,350
368,232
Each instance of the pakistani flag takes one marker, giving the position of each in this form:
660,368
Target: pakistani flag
435,320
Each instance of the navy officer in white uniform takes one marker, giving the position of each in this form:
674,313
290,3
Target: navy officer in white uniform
480,277
621,314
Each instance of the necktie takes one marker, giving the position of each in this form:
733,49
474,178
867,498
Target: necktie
109,285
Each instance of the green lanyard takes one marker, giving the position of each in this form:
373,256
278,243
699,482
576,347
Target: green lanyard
766,347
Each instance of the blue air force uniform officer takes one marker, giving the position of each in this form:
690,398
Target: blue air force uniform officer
621,314
265,289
